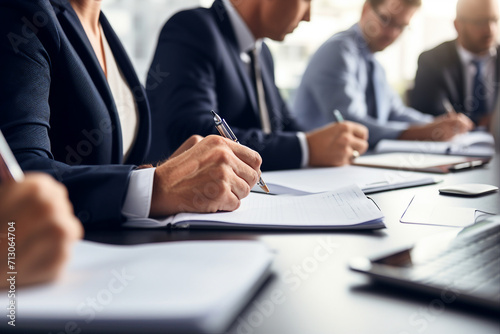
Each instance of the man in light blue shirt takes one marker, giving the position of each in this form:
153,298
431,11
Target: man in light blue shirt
344,75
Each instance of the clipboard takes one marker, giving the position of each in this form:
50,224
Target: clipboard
421,162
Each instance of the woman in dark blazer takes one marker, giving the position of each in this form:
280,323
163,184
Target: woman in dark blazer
71,105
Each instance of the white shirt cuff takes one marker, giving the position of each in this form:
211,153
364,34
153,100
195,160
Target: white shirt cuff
305,149
140,191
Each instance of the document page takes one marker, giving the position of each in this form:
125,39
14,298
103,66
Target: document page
341,208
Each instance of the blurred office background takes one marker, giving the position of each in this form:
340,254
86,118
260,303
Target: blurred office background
138,23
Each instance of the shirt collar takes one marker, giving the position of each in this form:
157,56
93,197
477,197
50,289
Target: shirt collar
362,44
466,57
244,37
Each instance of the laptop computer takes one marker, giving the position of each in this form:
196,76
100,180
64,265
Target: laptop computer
462,266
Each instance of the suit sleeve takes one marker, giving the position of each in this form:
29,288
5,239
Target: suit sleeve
26,58
428,94
187,51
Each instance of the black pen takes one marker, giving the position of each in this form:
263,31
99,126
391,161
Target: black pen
225,131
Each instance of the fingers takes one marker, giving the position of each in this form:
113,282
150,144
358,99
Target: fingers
358,130
43,259
358,144
45,226
334,144
214,175
244,162
245,178
188,144
466,122
245,154
227,169
44,203
447,127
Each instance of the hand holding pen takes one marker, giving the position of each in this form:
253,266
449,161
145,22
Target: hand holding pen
225,131
338,116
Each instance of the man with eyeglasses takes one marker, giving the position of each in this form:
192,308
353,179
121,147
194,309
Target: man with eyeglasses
465,71
344,75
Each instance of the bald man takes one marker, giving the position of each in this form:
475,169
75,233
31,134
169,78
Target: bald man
465,71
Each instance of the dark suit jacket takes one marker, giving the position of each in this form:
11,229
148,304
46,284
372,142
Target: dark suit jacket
57,111
440,76
199,51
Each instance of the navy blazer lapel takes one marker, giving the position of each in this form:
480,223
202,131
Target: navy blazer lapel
76,35
220,14
80,42
72,26
143,139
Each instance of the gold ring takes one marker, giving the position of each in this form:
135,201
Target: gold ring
355,154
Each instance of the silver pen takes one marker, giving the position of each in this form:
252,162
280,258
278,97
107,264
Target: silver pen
339,118
225,131
9,168
448,106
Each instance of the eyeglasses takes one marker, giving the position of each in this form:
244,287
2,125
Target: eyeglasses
387,21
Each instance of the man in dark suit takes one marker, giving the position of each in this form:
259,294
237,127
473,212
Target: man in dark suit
68,92
466,71
216,60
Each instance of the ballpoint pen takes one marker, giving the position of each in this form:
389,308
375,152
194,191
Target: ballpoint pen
225,131
9,168
338,116
448,107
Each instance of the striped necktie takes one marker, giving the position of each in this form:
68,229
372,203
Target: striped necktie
261,97
479,93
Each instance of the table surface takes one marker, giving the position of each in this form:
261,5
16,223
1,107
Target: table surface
311,289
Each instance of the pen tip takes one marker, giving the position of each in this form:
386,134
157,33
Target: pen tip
265,188
213,112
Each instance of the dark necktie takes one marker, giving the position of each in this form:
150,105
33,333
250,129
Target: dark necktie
371,99
479,107
259,88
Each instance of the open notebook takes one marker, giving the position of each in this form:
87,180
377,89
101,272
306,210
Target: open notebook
344,208
181,287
